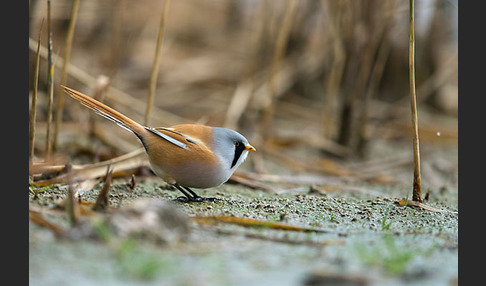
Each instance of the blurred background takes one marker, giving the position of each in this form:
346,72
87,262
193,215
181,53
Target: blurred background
304,79
319,87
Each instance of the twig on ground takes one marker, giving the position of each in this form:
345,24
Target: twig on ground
127,161
72,204
420,205
248,222
101,203
37,218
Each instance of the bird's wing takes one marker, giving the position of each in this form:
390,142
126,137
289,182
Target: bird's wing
170,135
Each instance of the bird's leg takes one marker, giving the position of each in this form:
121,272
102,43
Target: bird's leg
192,197
189,198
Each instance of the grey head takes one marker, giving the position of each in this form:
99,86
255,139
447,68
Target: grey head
231,147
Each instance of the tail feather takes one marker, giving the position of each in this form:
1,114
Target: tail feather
106,111
139,130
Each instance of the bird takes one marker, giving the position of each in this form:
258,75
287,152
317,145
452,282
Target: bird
186,155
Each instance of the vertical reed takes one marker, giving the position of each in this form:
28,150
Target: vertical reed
67,56
155,67
278,54
417,185
33,105
50,84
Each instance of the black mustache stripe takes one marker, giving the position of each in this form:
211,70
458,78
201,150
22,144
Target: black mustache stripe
238,151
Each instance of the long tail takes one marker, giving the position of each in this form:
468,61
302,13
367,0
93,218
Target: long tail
107,112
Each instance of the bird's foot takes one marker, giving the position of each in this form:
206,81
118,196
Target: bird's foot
190,196
198,199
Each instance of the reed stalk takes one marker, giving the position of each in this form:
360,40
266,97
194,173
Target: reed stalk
417,185
33,106
50,84
278,53
155,68
67,56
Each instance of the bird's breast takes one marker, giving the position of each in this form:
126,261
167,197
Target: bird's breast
195,166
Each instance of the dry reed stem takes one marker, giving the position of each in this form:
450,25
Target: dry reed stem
101,203
33,106
278,53
382,50
238,104
355,100
116,25
421,205
437,79
50,84
378,67
134,159
71,205
155,67
245,89
67,56
417,185
248,222
38,169
329,117
36,217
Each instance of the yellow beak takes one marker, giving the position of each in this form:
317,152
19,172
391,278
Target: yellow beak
250,148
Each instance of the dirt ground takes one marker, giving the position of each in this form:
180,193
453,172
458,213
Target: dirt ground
349,233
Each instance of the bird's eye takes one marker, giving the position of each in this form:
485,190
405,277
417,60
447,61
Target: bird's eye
237,143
